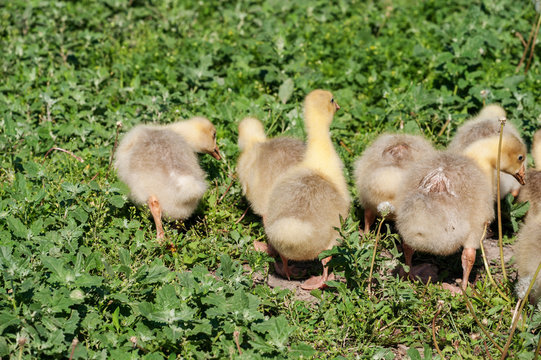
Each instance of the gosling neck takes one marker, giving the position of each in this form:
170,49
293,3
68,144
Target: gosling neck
484,153
188,130
320,154
248,142
536,153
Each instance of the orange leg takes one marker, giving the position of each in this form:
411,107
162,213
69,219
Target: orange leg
318,282
284,270
369,218
287,270
156,211
408,254
468,259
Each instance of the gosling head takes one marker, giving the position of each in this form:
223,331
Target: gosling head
250,131
493,112
202,136
319,106
513,157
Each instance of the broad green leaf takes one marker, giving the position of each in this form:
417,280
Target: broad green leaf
117,201
301,351
116,322
226,266
4,348
7,319
277,329
413,354
286,90
17,227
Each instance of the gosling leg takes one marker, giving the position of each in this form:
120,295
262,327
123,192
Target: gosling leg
283,271
408,254
369,218
156,211
468,259
318,282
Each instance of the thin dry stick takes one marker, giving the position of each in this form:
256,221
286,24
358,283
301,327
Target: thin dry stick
345,147
434,329
485,331
444,126
515,314
63,150
500,236
374,256
533,43
519,35
526,49
236,335
225,193
242,217
487,268
538,348
73,345
508,343
486,350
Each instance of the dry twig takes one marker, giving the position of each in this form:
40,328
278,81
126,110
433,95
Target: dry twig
63,150
440,306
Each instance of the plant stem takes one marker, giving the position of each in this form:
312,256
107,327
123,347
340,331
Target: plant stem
500,236
524,301
538,348
434,329
472,312
487,268
526,49
533,44
374,256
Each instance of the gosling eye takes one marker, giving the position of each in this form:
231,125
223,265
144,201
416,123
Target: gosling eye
214,136
520,158
332,100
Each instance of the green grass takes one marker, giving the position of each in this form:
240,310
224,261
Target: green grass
78,261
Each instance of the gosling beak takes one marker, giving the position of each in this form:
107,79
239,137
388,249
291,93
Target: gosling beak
520,175
336,106
216,154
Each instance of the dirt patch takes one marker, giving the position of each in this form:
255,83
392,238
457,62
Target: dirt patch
424,269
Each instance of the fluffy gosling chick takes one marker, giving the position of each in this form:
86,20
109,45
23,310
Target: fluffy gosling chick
306,203
380,171
448,198
263,160
159,165
486,124
532,190
528,256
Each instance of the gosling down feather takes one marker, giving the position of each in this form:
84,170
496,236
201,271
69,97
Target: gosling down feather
306,203
527,257
263,160
380,171
485,124
448,198
532,190
159,165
